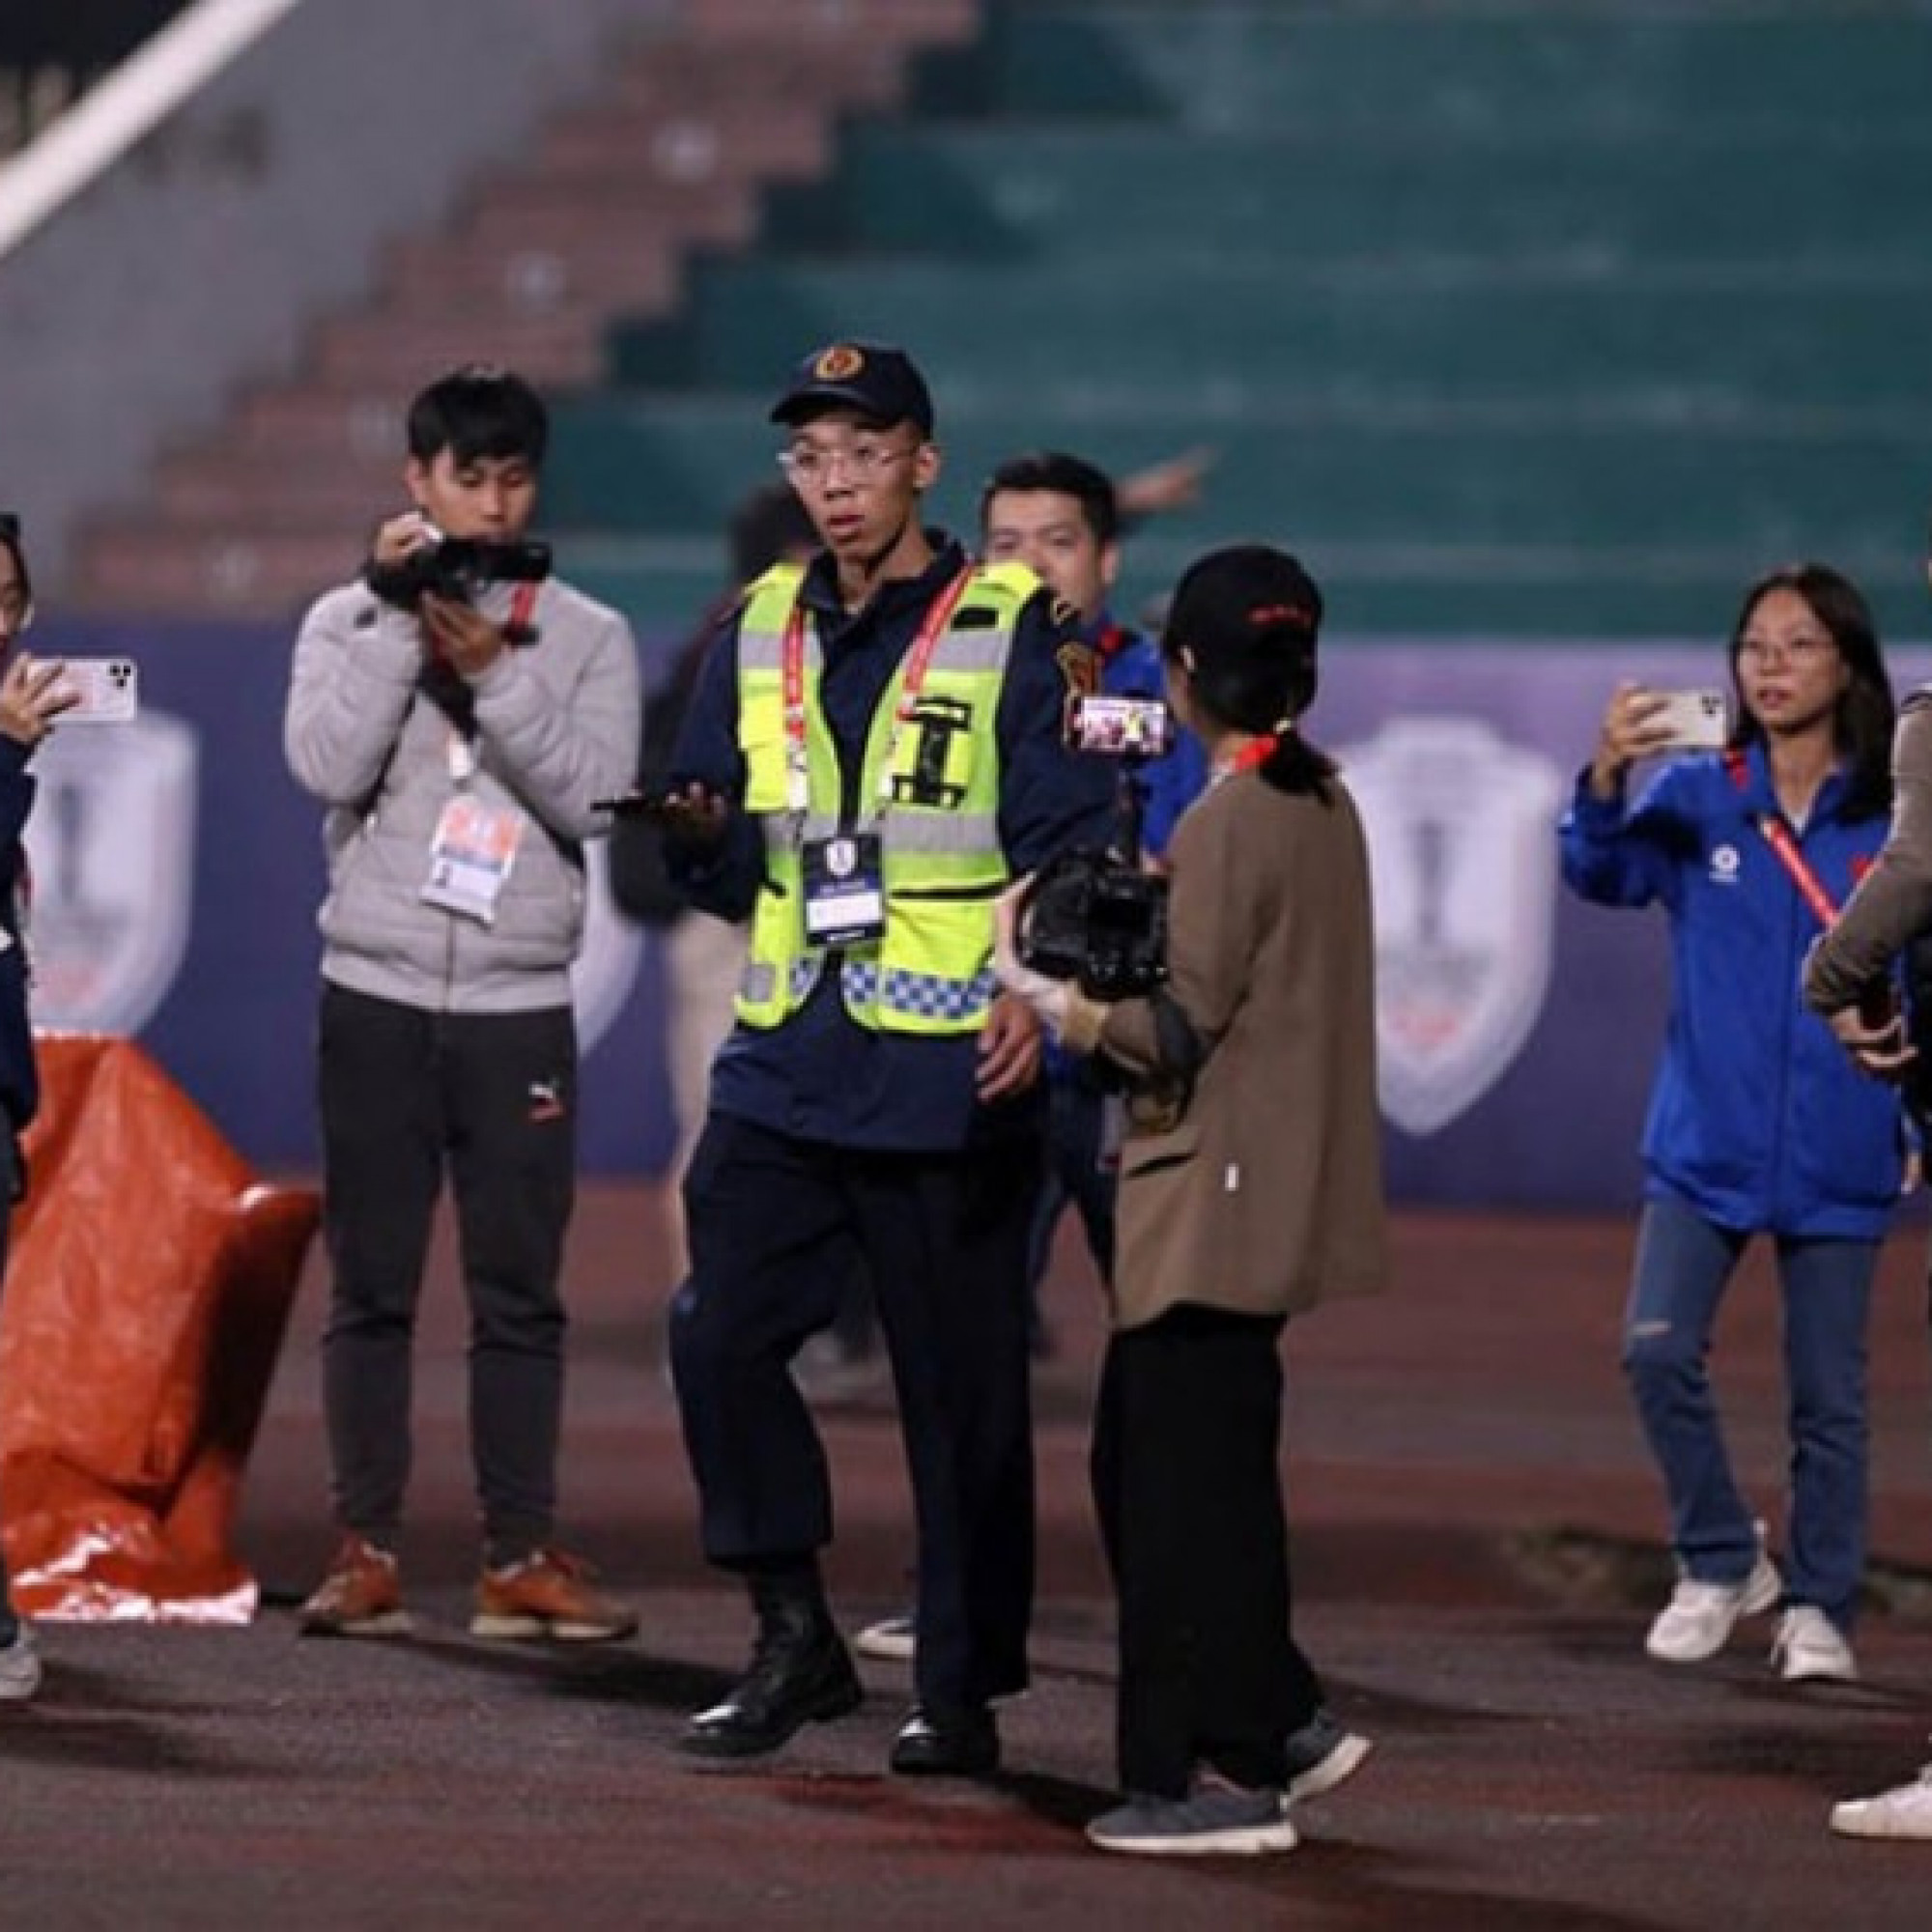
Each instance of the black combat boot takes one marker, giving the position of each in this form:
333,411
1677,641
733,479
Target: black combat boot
800,1673
940,1742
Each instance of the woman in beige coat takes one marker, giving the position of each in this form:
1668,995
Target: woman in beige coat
1250,1190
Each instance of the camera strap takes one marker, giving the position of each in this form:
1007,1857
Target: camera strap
519,629
919,660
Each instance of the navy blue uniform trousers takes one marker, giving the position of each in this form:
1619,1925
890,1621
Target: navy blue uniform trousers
944,1237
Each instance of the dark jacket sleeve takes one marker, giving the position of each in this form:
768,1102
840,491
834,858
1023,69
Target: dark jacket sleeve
1618,854
723,881
17,792
1050,798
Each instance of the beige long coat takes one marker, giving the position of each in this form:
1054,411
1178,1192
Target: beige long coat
1265,1195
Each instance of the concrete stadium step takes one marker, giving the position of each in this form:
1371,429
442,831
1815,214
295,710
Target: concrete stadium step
592,221
149,567
1465,64
1392,586
1512,478
578,266
403,350
227,489
848,23
684,143
1078,193
1811,327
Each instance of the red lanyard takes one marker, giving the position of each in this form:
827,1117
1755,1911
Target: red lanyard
919,660
1777,835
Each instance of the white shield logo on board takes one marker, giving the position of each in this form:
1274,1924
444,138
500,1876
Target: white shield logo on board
111,842
1461,831
604,971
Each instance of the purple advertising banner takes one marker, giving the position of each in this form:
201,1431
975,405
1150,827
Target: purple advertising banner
178,870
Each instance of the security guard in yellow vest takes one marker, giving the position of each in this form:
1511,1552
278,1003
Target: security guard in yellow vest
872,751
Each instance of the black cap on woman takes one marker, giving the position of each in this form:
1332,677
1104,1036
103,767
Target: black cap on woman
1240,651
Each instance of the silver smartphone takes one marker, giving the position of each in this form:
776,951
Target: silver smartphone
110,690
1692,720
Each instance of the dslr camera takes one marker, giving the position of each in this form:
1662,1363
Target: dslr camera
1099,917
456,568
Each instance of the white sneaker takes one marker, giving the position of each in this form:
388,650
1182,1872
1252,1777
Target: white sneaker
1810,1648
1905,1811
19,1667
895,1637
1698,1620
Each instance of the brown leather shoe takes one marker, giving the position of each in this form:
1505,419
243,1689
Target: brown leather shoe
548,1594
360,1595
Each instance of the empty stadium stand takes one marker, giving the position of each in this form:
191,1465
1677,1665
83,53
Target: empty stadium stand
1516,317
699,116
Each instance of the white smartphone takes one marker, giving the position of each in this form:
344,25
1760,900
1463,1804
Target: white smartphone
1120,728
109,689
1692,721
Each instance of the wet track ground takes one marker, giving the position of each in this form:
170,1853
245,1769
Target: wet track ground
1476,1555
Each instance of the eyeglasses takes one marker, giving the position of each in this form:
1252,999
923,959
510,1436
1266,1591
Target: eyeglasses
861,462
1805,651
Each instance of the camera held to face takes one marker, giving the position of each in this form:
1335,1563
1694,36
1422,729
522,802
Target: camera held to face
1099,917
456,568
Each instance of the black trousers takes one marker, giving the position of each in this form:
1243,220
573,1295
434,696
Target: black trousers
1188,1490
943,1238
491,1098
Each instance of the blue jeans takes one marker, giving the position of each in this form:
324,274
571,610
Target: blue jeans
1684,1264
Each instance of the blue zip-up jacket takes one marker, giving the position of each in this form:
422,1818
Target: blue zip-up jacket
1759,1119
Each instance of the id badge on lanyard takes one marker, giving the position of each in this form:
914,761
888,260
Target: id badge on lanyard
845,885
845,890
475,843
473,846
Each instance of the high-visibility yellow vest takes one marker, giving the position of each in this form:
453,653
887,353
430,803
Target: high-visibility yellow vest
931,971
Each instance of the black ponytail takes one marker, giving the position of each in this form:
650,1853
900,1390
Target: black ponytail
1298,768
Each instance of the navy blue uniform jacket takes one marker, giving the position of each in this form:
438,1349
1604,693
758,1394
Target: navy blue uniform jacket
820,1076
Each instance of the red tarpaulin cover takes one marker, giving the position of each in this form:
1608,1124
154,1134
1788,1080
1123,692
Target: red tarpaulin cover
150,1285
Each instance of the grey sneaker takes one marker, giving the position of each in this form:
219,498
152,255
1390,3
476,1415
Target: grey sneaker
1321,1755
19,1667
1212,1820
895,1637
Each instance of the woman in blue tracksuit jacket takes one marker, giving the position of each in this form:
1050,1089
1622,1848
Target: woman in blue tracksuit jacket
1758,1122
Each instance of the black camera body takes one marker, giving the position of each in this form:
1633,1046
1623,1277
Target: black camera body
456,568
1093,918
1099,917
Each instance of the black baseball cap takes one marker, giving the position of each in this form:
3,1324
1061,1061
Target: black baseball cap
870,377
1249,614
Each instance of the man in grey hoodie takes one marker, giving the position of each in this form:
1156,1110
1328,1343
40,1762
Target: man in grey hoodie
460,729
